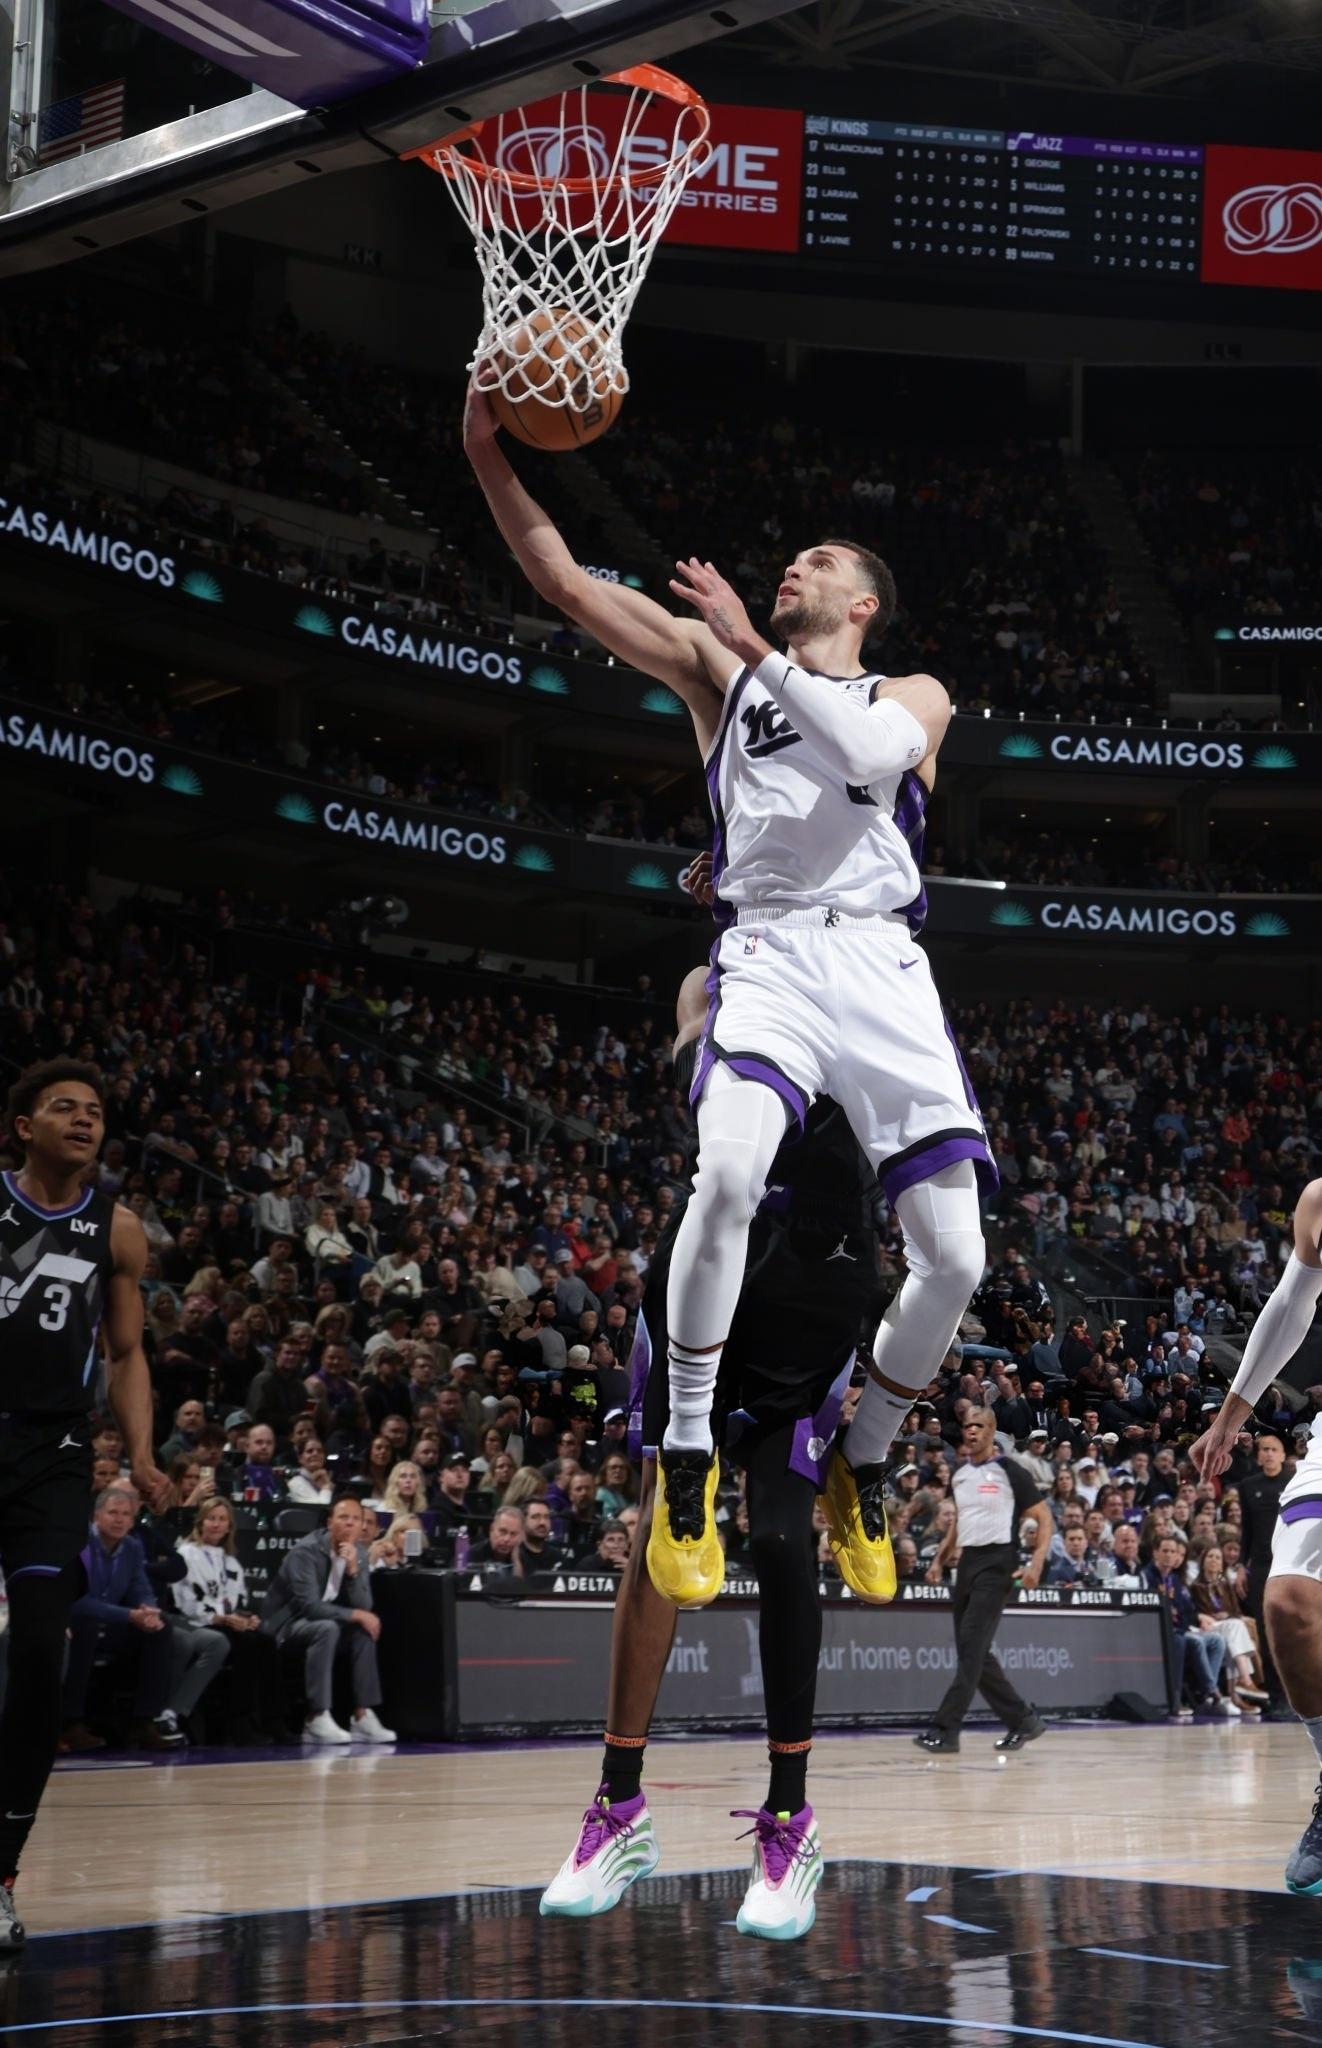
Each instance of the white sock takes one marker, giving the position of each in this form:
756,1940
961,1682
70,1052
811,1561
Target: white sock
877,1422
1314,1728
692,1385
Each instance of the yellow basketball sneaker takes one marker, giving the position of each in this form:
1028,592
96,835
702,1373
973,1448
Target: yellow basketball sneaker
856,1530
684,1555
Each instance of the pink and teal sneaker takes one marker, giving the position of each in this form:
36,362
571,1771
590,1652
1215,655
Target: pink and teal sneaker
616,1846
781,1901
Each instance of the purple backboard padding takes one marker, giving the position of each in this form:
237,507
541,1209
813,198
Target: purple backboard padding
307,51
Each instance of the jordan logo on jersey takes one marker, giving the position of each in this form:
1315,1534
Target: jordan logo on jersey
766,731
9,1216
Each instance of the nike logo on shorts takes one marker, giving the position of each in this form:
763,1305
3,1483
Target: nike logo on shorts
21,1816
909,963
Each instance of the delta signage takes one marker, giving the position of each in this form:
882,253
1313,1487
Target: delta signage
206,788
876,1664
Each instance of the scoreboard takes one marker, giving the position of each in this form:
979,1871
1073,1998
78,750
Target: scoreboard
956,199
918,195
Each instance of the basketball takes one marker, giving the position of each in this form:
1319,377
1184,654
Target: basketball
549,396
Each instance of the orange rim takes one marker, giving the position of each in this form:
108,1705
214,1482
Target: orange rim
442,155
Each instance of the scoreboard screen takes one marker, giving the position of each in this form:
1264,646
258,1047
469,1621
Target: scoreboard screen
918,195
925,198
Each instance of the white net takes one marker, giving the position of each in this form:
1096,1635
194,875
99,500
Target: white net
566,201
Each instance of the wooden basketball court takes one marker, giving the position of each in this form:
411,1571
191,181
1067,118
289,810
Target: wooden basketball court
1109,1885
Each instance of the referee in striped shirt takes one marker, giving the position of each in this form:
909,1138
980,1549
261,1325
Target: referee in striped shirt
993,1495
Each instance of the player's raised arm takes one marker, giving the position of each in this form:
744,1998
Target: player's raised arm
1281,1328
680,652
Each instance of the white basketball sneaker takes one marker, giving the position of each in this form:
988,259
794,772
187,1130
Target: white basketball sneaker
781,1901
616,1846
365,1727
323,1727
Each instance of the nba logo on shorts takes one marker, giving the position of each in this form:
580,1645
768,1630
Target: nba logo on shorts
750,943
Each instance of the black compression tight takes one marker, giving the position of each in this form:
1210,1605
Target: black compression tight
38,1615
780,1505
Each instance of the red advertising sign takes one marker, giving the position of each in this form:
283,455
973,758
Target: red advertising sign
1262,218
748,197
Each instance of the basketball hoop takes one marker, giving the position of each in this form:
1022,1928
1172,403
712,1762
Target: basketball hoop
566,201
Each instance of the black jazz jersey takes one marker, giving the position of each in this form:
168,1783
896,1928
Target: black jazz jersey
55,1266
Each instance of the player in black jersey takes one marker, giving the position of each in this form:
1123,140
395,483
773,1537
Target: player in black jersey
810,1292
70,1264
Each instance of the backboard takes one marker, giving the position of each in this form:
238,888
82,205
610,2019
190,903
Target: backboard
115,131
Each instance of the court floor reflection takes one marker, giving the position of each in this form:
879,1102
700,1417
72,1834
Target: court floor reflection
902,1955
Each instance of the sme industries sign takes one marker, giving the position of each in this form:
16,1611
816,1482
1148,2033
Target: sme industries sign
747,196
1262,218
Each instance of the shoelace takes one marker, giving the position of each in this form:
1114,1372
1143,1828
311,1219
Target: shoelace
600,1824
872,1508
686,1505
1316,1822
780,1841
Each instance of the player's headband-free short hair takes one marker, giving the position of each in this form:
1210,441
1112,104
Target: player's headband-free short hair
875,577
31,1085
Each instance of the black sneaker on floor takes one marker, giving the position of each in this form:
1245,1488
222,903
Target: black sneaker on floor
1027,1731
937,1741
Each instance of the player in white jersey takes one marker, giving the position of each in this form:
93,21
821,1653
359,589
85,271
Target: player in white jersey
1292,1605
818,771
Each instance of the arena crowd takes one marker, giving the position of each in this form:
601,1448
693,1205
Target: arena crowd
362,1282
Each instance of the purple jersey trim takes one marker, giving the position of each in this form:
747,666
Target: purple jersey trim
910,819
751,1068
39,1208
820,1429
1303,1510
43,1571
640,1365
923,1161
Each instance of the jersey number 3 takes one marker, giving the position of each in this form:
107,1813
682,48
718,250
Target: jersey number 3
56,1313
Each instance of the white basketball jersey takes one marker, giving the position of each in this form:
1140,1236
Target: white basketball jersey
789,832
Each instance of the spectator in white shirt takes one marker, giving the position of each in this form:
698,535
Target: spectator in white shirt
324,1239
311,1485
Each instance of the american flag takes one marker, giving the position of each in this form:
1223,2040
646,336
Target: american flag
84,121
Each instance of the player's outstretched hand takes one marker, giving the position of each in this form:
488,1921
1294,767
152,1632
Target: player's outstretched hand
155,1488
696,881
479,420
1210,1456
702,585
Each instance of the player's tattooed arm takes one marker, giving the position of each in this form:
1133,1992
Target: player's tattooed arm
129,1380
702,585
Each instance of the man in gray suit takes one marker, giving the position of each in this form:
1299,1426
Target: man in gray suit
321,1599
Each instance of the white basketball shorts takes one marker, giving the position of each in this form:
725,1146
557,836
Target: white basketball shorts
815,1002
1297,1541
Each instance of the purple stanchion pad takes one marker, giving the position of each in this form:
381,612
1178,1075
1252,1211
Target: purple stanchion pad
308,51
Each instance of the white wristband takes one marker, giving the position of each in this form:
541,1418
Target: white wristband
1279,1331
864,743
